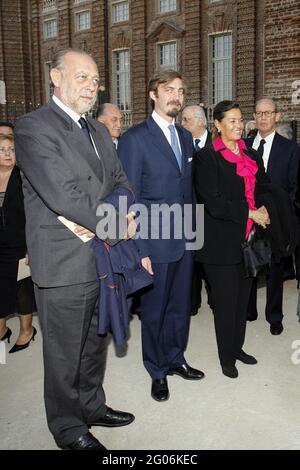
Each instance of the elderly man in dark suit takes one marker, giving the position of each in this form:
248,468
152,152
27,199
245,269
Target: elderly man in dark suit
193,119
157,157
69,166
280,157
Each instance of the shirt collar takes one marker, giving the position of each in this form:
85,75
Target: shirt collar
161,122
73,115
268,139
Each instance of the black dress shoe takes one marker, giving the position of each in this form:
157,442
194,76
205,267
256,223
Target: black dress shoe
113,419
19,347
86,442
230,371
186,372
7,335
246,358
276,328
160,390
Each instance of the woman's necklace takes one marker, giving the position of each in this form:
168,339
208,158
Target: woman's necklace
236,150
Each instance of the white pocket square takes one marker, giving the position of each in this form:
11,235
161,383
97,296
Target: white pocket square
190,159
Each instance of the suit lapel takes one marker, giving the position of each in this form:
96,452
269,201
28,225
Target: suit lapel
160,141
275,149
73,134
184,152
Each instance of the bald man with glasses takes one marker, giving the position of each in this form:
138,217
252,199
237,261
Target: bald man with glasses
280,157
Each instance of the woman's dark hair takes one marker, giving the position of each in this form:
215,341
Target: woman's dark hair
219,113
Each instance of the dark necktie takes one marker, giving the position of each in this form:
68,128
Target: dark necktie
260,149
196,144
174,144
85,129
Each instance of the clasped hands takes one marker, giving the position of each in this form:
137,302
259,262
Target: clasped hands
260,216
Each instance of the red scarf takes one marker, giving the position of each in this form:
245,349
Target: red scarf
246,168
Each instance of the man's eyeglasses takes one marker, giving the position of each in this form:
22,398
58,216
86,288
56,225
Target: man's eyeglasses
4,150
268,114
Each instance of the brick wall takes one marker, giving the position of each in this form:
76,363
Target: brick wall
266,48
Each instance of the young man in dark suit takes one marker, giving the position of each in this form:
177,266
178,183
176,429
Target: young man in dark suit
157,158
280,157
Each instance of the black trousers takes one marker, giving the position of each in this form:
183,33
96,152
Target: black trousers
230,292
198,278
273,310
74,359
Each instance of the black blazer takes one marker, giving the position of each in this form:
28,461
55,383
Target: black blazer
283,163
222,192
12,219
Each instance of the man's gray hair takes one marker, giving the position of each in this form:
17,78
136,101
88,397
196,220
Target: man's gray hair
271,100
58,58
198,112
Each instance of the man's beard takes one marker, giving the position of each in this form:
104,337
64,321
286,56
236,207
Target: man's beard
173,113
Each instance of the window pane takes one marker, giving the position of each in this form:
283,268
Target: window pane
122,90
166,5
221,68
50,29
83,20
120,12
168,55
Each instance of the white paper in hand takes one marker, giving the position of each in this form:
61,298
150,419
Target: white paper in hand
23,270
71,226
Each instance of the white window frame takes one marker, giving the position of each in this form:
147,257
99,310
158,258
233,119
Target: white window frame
224,88
48,82
114,6
168,8
77,23
159,50
45,31
123,102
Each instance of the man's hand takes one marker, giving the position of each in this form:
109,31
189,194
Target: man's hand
84,231
146,263
131,226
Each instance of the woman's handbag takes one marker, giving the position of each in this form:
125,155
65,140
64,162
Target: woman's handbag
256,253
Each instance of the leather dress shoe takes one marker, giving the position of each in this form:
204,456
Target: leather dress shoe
230,371
276,328
18,347
246,358
186,372
113,419
160,390
86,442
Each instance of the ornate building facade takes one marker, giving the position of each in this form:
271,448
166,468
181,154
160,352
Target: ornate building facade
226,49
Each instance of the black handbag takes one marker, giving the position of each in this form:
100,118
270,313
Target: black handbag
256,254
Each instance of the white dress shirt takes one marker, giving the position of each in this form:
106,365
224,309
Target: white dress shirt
203,138
74,116
267,146
163,124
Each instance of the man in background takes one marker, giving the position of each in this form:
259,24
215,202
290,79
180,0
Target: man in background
110,115
193,119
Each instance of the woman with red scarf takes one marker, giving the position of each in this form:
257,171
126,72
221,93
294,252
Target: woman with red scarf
229,178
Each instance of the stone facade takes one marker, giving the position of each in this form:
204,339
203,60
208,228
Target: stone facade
265,48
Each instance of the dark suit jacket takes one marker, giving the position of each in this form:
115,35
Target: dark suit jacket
63,176
222,192
151,167
283,163
12,219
